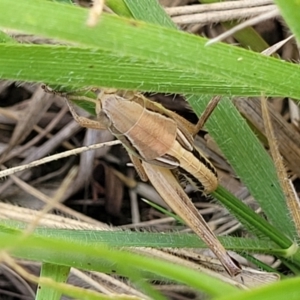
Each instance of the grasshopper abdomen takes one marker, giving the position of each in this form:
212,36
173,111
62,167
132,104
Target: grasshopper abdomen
196,166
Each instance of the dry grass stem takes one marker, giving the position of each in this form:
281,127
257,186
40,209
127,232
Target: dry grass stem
224,16
225,5
290,195
55,199
36,193
26,215
274,48
45,160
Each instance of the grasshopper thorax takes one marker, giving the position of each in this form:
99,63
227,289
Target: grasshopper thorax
150,133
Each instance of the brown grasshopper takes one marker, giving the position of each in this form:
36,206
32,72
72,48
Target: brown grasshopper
160,144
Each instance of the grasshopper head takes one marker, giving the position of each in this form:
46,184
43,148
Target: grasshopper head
103,95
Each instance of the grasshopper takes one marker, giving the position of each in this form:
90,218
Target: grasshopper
160,145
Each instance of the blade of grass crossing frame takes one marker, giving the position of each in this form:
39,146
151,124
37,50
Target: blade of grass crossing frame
114,35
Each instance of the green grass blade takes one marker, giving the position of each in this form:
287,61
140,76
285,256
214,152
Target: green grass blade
250,219
144,239
119,7
68,252
241,73
56,272
149,11
78,67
